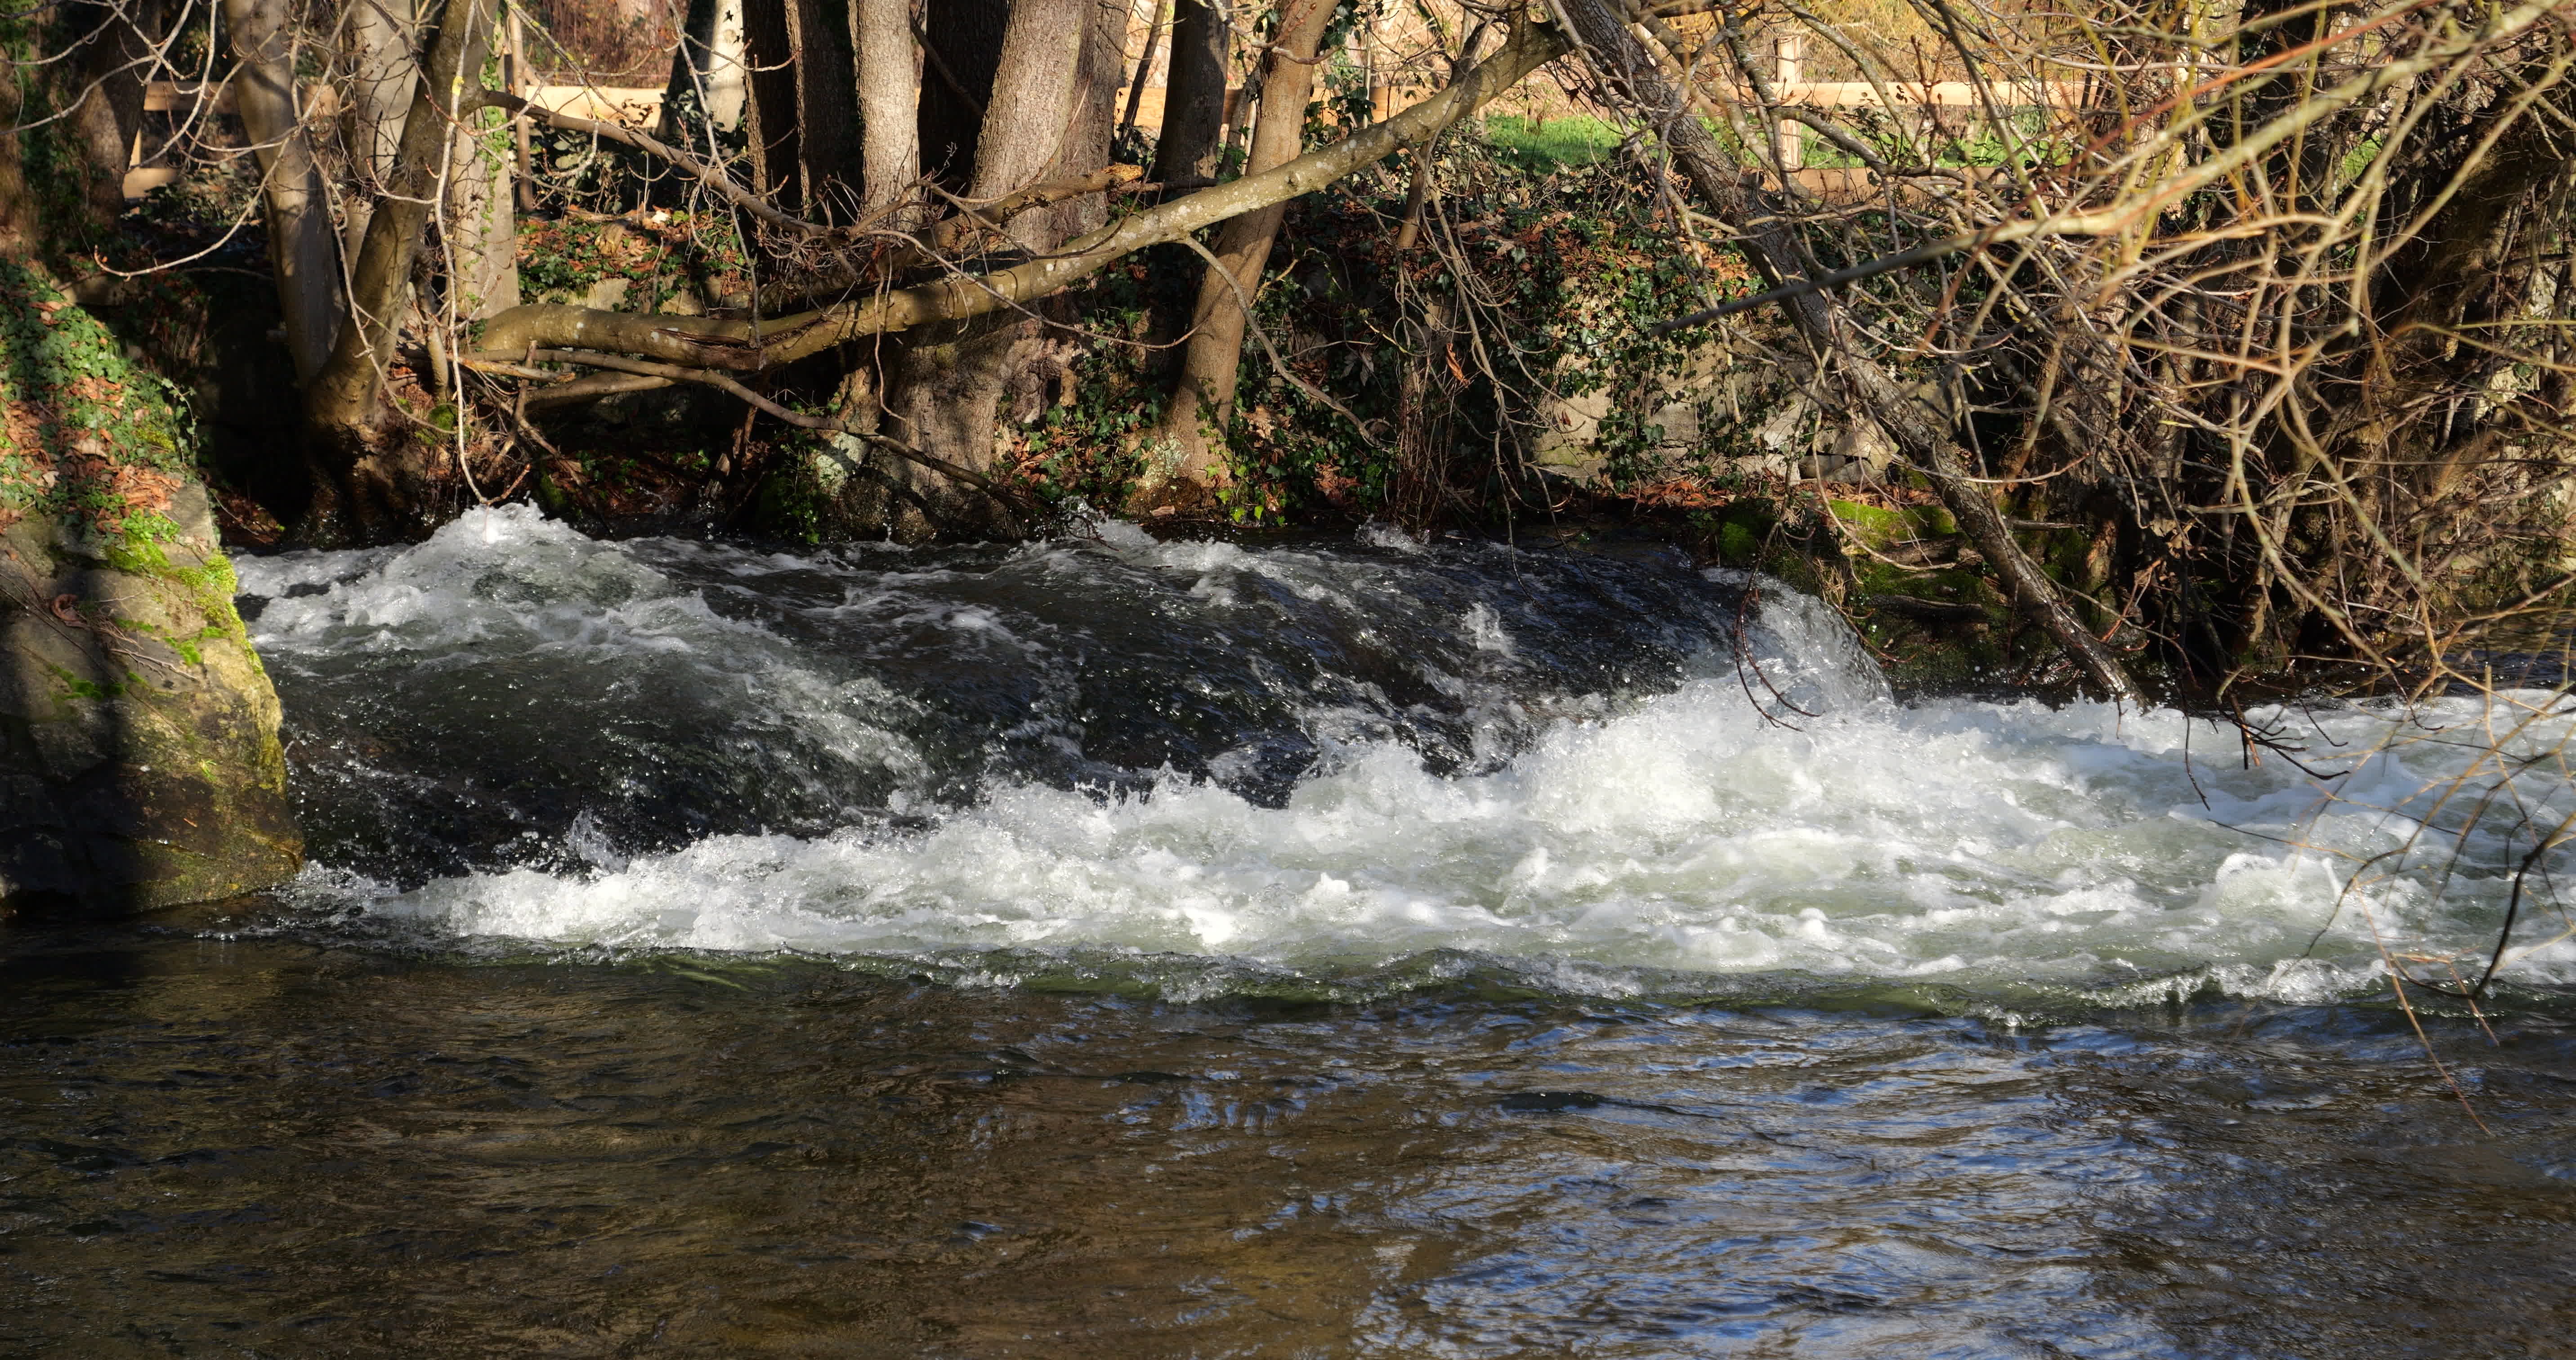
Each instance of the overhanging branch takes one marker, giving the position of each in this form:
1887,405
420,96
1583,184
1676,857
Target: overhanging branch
751,345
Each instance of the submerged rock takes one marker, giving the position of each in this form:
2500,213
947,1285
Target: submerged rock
139,757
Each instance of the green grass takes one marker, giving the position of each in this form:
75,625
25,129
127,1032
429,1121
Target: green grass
1543,146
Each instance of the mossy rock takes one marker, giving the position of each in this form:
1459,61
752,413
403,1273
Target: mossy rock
1739,532
139,756
1880,527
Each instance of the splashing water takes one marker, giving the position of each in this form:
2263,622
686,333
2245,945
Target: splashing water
1206,766
1687,994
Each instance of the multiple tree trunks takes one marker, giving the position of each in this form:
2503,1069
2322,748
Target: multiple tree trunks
981,129
721,343
803,106
955,345
366,479
1191,464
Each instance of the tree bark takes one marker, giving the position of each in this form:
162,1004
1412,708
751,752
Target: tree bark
1091,130
769,49
366,487
1028,117
382,74
945,388
889,103
1203,400
1624,65
803,103
707,70
302,251
827,109
1144,69
482,226
1193,94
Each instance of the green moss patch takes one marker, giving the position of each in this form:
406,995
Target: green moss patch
86,434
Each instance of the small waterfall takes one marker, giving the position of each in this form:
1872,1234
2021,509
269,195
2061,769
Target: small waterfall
1198,765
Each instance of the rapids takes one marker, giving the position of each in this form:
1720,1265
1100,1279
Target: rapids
1328,770
1113,947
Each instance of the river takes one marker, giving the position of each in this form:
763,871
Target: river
1296,947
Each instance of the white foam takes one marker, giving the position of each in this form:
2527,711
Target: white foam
1973,842
507,580
1792,820
1378,533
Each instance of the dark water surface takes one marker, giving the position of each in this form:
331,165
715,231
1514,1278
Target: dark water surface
279,1148
1124,950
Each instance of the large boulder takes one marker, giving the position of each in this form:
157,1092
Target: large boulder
139,760
139,757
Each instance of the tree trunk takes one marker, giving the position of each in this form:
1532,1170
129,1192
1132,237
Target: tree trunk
382,74
1051,103
1098,71
365,485
1144,70
1624,66
769,49
1028,116
1203,402
20,228
482,226
301,248
889,103
802,105
1193,94
827,111
707,72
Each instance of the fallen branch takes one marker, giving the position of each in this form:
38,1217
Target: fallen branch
1016,505
751,345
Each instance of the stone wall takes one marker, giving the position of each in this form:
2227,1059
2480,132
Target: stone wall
1722,410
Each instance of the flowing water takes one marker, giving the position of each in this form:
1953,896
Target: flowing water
1114,947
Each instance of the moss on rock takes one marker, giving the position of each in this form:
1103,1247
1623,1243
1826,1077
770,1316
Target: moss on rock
139,755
